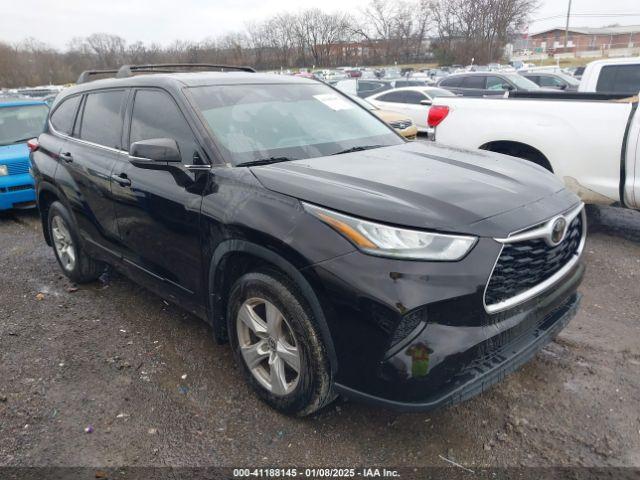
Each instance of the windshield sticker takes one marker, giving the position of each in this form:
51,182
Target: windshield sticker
333,101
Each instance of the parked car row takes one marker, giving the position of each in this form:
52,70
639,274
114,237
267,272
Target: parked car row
480,84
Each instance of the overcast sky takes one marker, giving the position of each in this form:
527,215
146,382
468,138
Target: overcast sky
162,21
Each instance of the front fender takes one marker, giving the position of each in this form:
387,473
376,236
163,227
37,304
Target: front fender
216,279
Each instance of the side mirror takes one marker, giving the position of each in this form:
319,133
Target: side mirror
508,88
154,151
426,102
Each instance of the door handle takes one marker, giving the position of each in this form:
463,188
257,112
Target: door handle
121,179
67,157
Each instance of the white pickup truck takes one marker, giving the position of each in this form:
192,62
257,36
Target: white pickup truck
591,141
612,75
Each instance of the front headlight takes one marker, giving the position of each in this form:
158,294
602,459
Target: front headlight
3,170
387,241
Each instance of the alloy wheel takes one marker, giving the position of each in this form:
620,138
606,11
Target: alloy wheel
268,346
63,243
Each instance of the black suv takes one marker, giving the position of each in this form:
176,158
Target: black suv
332,255
484,84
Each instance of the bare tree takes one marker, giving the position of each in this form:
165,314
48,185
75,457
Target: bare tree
386,31
280,37
108,50
478,28
396,29
320,33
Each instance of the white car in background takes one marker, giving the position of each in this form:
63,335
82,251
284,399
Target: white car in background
414,102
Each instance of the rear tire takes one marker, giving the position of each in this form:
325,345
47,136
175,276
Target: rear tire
73,260
277,344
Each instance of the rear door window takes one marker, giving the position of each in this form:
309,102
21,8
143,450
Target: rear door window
392,97
475,82
619,79
156,115
451,82
64,115
102,119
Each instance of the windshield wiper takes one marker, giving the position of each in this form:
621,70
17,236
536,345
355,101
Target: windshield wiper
264,161
359,148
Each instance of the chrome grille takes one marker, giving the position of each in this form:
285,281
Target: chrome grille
525,266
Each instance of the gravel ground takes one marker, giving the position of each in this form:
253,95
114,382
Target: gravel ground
148,380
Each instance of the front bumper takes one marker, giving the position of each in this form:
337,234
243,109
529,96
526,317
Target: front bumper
454,350
487,369
17,191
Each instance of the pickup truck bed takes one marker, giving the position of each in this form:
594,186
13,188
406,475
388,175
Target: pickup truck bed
590,140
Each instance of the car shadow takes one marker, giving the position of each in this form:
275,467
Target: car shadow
615,221
18,215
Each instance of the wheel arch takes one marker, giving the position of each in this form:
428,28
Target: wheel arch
520,150
47,194
233,258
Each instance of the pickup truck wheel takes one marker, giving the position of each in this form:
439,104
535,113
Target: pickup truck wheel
276,344
75,263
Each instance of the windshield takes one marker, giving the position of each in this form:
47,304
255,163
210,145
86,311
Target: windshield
282,122
521,82
19,124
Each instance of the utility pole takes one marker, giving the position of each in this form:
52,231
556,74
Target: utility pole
566,30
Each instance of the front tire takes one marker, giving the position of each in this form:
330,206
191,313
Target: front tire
277,345
75,263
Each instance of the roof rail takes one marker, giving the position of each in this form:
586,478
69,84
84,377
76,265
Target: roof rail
87,74
130,70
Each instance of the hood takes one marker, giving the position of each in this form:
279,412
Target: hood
425,185
11,153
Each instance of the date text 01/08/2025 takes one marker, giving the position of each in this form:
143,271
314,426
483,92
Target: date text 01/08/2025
315,473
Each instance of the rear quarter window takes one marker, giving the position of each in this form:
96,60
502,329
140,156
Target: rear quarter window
101,118
619,79
451,82
64,115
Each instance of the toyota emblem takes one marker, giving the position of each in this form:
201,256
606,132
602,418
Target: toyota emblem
558,230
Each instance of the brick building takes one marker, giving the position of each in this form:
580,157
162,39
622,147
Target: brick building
585,39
